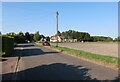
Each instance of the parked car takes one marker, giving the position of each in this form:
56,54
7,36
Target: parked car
46,43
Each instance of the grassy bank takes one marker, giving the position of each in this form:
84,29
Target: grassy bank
96,57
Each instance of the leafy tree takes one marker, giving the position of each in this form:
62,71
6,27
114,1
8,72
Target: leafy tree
11,34
48,38
28,37
101,38
32,36
65,35
20,34
117,39
59,33
42,36
86,36
20,38
71,34
37,36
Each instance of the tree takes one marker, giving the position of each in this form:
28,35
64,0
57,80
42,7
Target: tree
37,36
101,38
20,38
117,39
20,34
48,38
42,36
65,35
32,36
80,36
86,36
11,34
59,33
28,37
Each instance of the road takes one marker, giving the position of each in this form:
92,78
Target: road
40,63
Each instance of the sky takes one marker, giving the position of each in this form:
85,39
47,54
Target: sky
96,18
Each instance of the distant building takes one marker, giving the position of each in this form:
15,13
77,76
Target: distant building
70,40
54,39
61,39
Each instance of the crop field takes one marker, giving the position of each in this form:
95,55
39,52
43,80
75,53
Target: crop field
103,48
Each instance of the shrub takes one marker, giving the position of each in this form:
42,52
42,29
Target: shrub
20,39
7,45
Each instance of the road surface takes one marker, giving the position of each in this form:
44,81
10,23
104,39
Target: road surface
40,63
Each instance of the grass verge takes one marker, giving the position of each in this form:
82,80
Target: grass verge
91,56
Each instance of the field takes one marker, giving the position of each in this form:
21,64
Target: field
103,48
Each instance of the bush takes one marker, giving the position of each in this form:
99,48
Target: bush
36,37
7,45
20,39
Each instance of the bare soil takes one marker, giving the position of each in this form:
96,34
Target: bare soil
103,48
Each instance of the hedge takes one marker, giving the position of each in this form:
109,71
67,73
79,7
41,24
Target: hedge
20,39
7,45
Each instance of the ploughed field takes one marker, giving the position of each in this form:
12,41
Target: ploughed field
103,48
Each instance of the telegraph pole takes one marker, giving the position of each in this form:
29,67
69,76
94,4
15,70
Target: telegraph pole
57,26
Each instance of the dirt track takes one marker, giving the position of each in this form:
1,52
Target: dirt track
103,48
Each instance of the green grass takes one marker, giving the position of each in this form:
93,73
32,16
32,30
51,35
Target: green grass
88,55
98,57
39,43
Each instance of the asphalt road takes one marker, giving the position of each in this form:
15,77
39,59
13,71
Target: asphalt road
40,63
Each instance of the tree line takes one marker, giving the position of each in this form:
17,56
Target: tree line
84,36
70,34
25,37
8,41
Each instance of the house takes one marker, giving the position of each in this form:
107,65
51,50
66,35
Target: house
54,39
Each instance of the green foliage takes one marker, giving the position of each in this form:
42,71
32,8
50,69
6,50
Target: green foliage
20,38
28,37
23,38
84,36
117,39
101,38
98,57
48,38
80,36
7,45
36,36
11,34
59,33
20,34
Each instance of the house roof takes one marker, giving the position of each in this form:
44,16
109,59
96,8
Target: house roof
54,37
